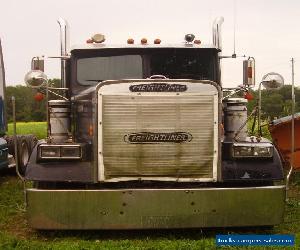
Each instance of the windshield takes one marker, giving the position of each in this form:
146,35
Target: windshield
95,69
143,63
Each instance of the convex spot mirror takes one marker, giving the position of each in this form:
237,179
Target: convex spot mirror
272,81
35,79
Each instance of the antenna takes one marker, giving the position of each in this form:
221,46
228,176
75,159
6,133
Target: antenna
293,113
234,34
234,28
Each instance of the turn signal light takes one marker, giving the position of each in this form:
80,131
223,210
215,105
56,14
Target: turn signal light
90,130
197,41
38,97
248,96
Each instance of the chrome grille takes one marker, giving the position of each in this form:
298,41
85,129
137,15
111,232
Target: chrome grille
192,113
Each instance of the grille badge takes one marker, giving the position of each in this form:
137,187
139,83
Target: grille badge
158,87
152,138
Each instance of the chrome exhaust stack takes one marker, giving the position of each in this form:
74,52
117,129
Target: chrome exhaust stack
64,48
217,38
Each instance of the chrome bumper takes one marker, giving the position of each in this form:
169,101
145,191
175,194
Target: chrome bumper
155,208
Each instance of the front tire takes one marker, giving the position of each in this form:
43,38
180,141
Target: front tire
23,153
31,141
25,144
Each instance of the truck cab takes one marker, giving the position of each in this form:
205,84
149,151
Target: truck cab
142,137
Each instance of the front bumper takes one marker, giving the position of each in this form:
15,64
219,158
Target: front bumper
155,208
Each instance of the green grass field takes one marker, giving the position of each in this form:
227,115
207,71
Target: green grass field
36,128
15,233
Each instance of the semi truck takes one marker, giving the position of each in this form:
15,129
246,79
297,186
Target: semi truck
14,151
143,135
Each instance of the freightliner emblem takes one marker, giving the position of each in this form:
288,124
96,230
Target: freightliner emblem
158,87
149,137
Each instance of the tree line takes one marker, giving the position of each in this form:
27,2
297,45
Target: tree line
276,103
30,104
30,107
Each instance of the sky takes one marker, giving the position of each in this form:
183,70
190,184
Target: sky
268,30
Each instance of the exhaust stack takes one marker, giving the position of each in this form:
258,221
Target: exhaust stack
64,48
217,38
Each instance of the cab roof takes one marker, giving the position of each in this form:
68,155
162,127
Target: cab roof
95,46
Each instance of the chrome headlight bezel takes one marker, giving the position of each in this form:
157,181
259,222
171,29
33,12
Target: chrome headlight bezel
60,152
252,150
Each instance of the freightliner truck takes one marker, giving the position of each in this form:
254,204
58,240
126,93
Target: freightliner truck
143,135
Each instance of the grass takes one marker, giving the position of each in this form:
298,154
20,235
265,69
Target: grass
36,128
15,233
264,129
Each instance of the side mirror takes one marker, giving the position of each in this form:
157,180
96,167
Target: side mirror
37,63
249,72
35,79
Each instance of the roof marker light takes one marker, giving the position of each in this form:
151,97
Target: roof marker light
189,38
144,41
98,38
157,41
130,41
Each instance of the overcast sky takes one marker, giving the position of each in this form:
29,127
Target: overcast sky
265,29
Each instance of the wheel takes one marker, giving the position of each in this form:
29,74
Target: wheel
31,141
25,145
23,153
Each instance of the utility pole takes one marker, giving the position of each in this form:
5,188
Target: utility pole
292,130
293,114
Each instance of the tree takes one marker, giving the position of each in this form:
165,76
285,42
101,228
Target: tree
27,107
276,103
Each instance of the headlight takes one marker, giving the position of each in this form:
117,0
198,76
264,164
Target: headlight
50,152
70,151
53,151
265,150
